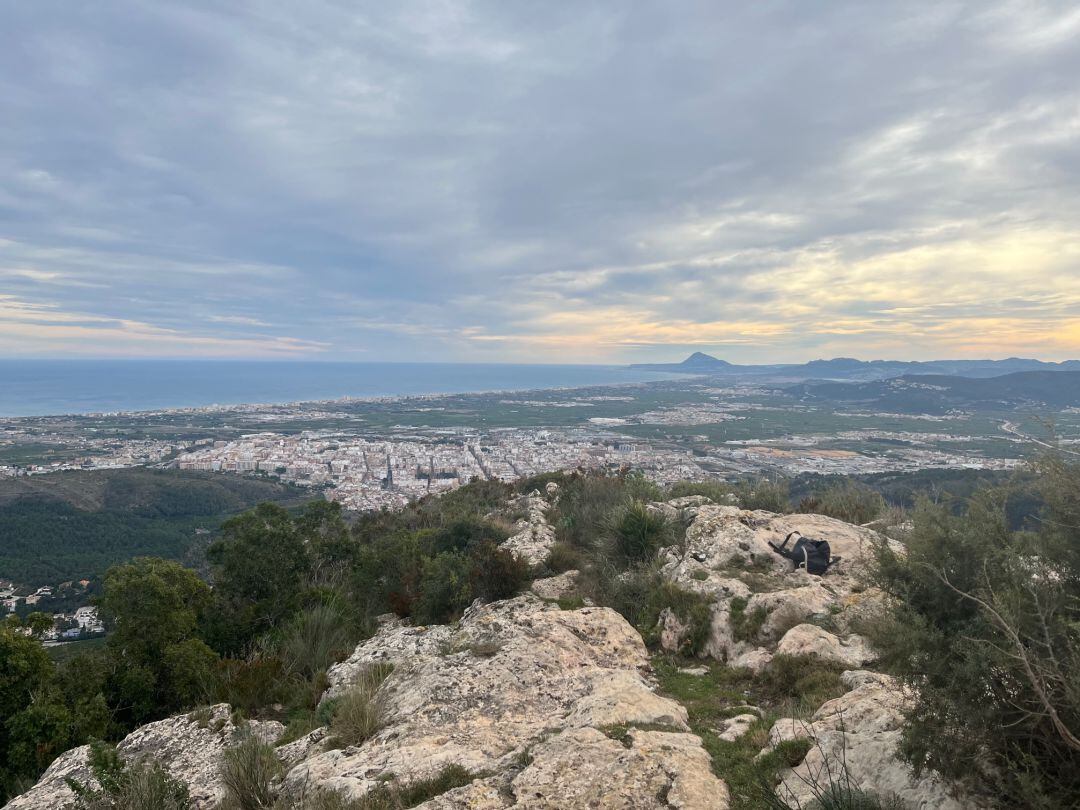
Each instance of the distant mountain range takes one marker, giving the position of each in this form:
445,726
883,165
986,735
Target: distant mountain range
936,394
847,368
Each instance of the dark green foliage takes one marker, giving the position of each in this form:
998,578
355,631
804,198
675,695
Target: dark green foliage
71,525
986,626
588,502
154,607
746,626
138,786
259,568
637,533
798,682
495,574
445,589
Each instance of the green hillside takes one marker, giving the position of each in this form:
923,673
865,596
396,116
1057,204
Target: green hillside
76,524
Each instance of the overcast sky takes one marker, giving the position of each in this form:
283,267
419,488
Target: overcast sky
539,181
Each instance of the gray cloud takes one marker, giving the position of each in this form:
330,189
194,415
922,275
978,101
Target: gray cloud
495,180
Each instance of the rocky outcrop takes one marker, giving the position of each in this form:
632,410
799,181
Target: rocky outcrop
534,536
859,733
557,587
758,597
189,746
549,708
521,680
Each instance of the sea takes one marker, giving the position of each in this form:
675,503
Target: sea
55,387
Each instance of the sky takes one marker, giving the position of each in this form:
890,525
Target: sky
520,181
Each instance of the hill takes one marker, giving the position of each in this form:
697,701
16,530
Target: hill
937,394
848,368
71,525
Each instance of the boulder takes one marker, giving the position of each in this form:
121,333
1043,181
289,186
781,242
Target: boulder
558,587
734,727
860,732
189,747
548,683
811,640
650,769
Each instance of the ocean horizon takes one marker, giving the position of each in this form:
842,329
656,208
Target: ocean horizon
62,387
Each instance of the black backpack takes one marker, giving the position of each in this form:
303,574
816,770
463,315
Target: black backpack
813,555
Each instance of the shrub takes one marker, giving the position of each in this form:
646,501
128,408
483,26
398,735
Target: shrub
139,786
638,533
850,502
801,682
358,714
464,533
247,771
746,626
314,640
494,573
445,588
771,496
985,626
564,557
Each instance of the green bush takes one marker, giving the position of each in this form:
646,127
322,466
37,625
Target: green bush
358,714
445,588
984,623
247,771
851,502
313,640
799,682
138,786
564,557
746,626
771,496
638,533
495,574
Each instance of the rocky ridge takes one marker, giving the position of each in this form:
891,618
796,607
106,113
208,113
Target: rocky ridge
552,708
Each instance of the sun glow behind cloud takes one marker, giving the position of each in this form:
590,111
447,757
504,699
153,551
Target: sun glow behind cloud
605,182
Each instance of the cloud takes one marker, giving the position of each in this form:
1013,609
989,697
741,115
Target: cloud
481,180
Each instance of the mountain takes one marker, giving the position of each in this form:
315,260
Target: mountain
935,393
849,368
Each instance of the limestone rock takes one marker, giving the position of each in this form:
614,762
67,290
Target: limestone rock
190,747
860,730
735,727
586,768
535,536
809,639
553,674
558,587
754,660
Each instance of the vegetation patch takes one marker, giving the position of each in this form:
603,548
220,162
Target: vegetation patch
745,626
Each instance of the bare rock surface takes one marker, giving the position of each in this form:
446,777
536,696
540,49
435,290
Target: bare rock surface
534,537
860,731
557,587
190,747
811,640
546,686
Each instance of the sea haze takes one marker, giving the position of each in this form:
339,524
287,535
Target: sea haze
45,387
